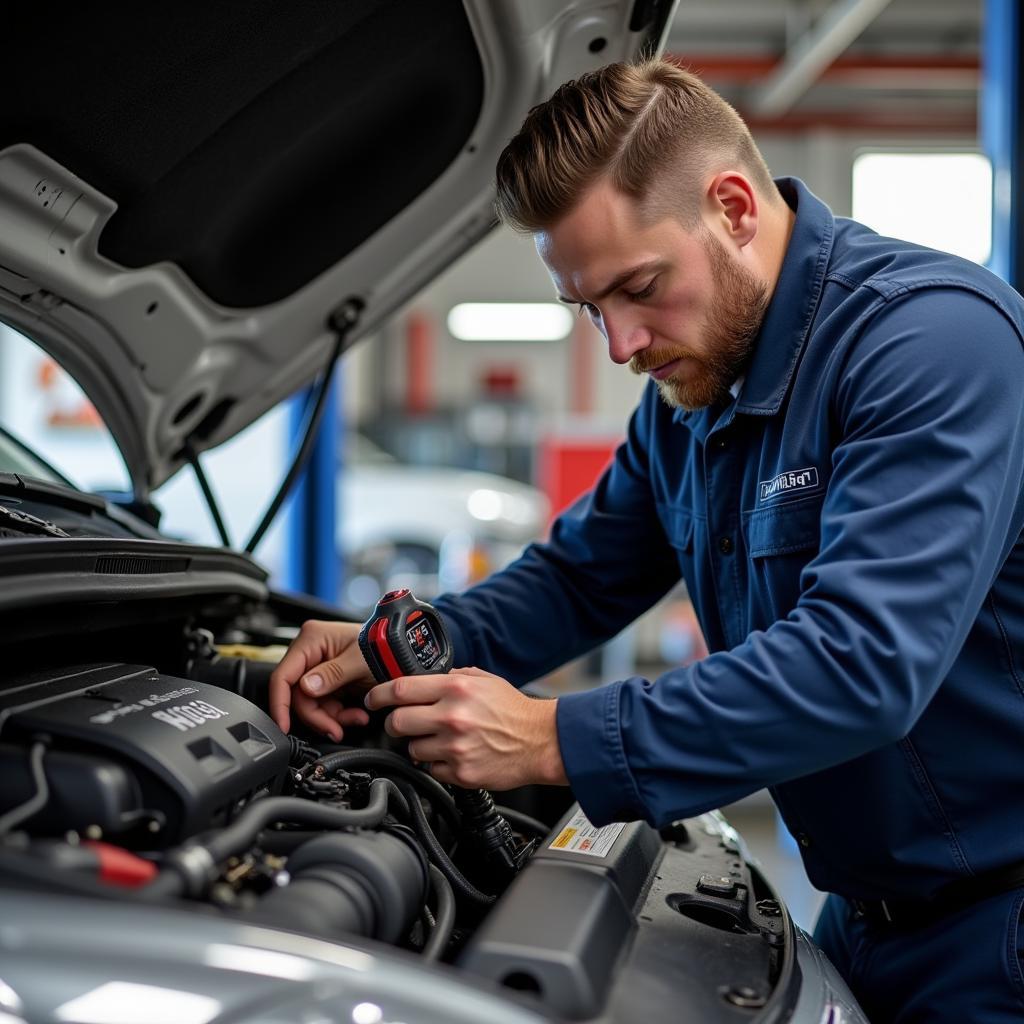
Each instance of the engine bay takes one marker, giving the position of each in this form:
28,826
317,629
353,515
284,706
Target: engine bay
166,786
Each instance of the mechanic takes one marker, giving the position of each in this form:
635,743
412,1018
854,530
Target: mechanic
830,453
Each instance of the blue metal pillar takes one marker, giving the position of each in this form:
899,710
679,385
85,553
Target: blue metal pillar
1001,110
312,560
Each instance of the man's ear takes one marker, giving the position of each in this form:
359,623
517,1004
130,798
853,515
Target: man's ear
731,203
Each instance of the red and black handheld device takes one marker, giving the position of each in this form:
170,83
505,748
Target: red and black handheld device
404,637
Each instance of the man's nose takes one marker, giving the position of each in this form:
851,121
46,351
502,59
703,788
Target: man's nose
625,339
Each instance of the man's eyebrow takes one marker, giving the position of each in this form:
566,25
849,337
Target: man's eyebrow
617,282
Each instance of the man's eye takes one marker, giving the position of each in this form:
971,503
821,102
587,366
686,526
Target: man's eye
590,309
644,293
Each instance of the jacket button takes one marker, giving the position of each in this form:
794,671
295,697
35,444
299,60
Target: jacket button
804,840
725,545
721,443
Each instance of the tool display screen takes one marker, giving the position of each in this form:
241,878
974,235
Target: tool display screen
423,643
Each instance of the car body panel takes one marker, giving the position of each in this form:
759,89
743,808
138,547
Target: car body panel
58,957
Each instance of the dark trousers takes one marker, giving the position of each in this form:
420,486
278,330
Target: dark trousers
966,968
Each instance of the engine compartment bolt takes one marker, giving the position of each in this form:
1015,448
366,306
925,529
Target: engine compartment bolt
744,996
769,908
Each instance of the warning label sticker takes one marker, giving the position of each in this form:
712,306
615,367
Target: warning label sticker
579,836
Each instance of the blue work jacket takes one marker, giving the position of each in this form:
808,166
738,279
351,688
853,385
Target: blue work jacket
849,530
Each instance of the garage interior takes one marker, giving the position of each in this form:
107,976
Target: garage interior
483,373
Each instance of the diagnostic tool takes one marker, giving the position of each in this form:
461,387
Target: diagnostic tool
404,637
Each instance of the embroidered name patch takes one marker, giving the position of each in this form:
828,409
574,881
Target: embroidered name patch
787,483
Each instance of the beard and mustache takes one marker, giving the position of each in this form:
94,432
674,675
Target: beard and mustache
733,322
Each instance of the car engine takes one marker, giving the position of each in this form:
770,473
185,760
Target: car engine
167,786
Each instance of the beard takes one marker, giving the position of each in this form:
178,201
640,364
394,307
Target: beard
733,321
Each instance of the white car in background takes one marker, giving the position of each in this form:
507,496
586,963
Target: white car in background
429,528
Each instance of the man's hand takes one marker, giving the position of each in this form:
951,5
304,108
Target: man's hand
474,729
321,660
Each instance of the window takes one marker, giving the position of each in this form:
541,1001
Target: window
42,406
939,199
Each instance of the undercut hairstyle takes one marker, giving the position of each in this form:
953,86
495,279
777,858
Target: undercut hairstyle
654,130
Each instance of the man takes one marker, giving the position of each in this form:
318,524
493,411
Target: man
831,454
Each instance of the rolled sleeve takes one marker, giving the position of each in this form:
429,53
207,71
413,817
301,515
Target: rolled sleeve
594,756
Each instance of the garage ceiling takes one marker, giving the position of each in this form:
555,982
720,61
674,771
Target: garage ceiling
858,65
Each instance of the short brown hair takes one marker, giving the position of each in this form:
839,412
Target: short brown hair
641,125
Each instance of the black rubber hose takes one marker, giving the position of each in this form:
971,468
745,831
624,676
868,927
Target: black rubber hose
26,870
36,802
358,883
240,834
285,841
299,751
444,923
387,760
188,864
459,882
523,822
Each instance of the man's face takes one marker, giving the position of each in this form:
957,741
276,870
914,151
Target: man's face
670,302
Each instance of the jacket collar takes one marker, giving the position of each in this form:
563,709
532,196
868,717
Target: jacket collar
790,312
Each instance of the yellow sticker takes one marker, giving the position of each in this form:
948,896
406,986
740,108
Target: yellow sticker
579,836
564,838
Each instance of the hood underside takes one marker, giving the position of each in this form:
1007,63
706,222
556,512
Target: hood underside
187,196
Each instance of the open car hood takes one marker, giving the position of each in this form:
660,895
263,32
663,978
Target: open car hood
188,196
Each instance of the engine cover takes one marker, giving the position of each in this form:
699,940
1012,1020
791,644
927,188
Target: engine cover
192,754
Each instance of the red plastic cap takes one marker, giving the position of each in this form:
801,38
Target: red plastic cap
120,867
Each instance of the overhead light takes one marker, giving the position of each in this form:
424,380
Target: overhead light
509,321
367,1013
485,504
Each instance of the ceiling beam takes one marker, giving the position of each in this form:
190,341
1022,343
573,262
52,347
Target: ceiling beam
863,71
833,32
905,122
749,68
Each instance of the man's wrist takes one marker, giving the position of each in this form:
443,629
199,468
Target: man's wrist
551,770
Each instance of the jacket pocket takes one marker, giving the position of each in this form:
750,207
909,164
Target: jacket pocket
781,540
785,529
681,531
678,526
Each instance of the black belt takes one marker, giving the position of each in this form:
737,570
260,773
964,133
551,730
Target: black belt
958,895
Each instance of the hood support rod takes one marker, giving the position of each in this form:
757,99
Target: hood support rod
341,322
204,485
